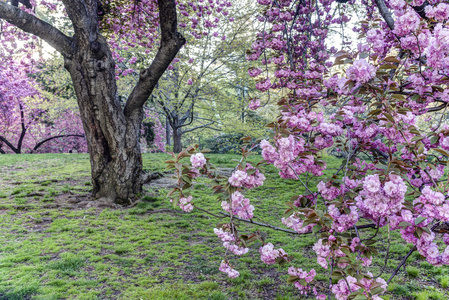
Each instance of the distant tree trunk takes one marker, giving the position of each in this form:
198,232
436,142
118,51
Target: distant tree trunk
167,132
177,144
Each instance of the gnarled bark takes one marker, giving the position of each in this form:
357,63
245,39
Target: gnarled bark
112,132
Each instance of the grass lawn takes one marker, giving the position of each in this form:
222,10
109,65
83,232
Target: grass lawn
52,248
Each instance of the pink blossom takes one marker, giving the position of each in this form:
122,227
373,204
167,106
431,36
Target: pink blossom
254,104
224,267
361,71
185,204
198,160
229,242
264,85
240,206
268,254
406,23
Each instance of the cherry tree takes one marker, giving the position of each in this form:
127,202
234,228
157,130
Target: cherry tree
112,131
25,124
387,94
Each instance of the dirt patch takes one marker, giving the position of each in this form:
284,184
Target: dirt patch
162,183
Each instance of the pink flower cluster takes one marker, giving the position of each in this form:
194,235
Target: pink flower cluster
296,223
198,160
254,104
346,286
308,278
264,85
429,206
343,221
361,71
328,191
381,200
229,241
185,204
440,12
323,251
269,255
225,268
406,23
240,178
240,206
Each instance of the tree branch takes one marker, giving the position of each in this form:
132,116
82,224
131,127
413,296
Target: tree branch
84,17
401,264
38,145
200,126
385,12
171,43
24,129
420,10
8,144
37,27
286,230
437,108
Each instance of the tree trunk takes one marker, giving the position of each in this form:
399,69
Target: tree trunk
111,131
113,145
177,145
167,131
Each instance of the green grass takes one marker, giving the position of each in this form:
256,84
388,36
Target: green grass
52,249
444,281
412,271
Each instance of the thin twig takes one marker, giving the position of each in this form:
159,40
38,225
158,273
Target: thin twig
402,263
377,231
208,212
286,230
264,225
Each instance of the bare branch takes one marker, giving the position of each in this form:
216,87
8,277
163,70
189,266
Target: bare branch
37,27
38,145
437,108
401,264
3,139
200,126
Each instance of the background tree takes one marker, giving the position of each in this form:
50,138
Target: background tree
28,122
112,131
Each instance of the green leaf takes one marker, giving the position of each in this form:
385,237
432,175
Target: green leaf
416,97
434,139
336,275
417,138
398,96
387,67
441,151
377,290
405,224
419,220
292,279
389,117
316,228
251,171
369,242
415,131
